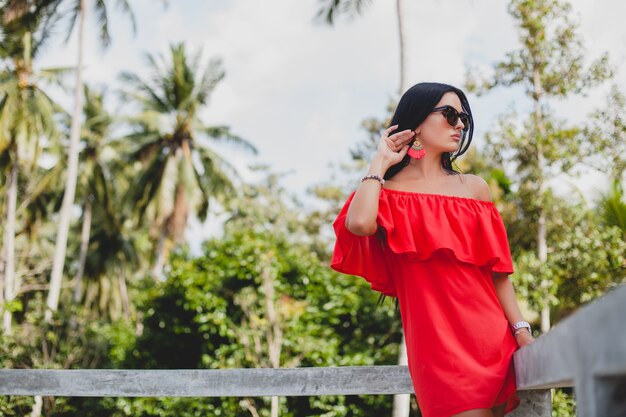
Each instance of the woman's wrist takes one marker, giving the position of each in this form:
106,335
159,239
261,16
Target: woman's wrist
379,165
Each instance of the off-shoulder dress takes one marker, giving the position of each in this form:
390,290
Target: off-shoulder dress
436,254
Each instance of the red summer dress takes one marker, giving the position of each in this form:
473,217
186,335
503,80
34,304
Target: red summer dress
436,254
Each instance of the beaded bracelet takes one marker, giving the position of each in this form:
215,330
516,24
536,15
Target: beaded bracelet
373,177
524,330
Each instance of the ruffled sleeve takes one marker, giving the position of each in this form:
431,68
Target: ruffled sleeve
364,256
414,226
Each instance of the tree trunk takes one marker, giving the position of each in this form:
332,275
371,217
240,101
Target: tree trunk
70,183
173,229
121,280
37,406
159,263
402,402
542,244
403,56
84,245
274,330
10,289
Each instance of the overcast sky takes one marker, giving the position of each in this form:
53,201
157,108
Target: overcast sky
299,90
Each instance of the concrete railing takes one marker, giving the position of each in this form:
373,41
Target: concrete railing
587,351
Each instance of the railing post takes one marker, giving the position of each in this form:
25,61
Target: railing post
534,403
601,396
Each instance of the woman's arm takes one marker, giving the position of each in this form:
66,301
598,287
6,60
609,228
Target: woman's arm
506,295
361,216
508,301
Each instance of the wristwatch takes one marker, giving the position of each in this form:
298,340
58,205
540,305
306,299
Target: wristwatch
521,324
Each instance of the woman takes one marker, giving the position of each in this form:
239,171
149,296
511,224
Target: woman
432,237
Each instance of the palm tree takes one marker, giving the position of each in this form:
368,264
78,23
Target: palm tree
94,181
110,255
79,10
26,115
179,170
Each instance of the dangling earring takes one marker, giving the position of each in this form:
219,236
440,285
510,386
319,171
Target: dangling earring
417,150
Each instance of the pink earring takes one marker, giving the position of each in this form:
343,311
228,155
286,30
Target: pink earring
417,150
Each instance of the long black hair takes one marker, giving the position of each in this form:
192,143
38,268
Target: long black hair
415,105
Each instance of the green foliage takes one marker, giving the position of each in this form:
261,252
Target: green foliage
612,207
551,60
605,148
76,339
586,260
563,403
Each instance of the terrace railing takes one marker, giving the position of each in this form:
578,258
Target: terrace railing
586,351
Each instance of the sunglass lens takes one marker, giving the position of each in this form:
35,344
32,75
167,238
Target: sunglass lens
451,116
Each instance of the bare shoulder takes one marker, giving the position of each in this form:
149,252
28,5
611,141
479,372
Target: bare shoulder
478,187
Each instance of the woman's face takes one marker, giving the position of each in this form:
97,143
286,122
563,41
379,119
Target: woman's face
435,133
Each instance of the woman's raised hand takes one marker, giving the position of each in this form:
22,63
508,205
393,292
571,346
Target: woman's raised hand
393,147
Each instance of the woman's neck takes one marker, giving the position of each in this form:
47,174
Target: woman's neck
426,168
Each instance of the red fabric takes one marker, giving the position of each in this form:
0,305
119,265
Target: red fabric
436,253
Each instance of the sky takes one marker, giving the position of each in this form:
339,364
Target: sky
299,89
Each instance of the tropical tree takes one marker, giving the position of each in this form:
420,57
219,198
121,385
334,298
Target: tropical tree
179,172
106,250
79,11
606,152
606,149
550,64
27,117
94,177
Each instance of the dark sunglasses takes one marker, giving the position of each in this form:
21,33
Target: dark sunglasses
453,116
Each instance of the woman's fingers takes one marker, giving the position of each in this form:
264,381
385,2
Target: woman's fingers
402,138
398,143
388,131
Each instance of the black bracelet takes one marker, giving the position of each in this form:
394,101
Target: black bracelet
373,177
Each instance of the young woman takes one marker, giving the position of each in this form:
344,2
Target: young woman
432,237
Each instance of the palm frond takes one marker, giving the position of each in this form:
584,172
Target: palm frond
223,133
144,93
146,185
214,164
103,20
123,4
74,12
210,78
332,9
56,75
